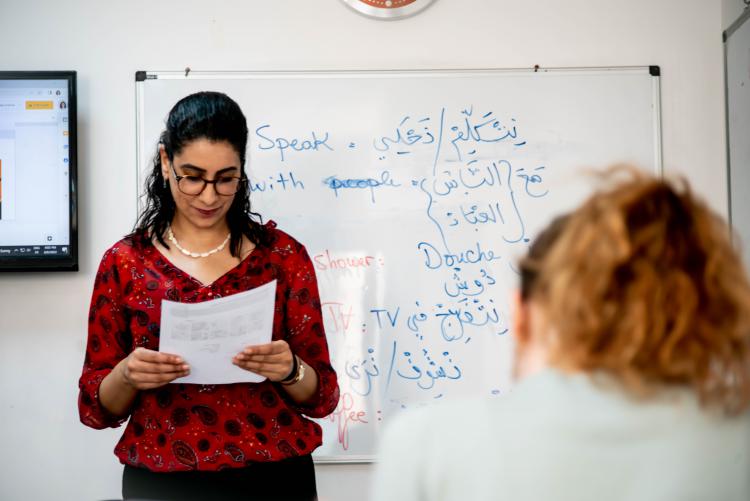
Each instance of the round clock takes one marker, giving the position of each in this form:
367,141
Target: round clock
388,9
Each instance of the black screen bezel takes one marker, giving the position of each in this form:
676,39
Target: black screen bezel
54,263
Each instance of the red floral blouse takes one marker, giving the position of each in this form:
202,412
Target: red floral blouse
205,427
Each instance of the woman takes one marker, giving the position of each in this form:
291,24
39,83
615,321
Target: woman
197,240
633,348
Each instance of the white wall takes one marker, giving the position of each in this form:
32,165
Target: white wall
47,454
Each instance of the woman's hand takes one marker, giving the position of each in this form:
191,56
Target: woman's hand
141,370
147,369
273,360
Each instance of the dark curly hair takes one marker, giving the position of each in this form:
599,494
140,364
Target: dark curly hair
203,115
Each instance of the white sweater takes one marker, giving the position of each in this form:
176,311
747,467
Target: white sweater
558,437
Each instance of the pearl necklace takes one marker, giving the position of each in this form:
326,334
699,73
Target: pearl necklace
172,239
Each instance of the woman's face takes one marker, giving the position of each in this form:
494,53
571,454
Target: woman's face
209,160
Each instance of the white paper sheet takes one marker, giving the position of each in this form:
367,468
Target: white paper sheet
208,335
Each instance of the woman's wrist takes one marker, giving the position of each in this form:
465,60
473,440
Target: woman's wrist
116,393
123,376
304,389
293,371
297,373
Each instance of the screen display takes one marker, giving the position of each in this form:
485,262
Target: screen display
37,171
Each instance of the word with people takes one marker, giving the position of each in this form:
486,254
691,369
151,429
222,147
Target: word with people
337,183
284,181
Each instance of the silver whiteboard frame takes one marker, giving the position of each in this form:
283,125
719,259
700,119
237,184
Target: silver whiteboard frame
142,77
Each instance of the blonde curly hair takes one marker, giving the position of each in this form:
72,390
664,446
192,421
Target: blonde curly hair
642,282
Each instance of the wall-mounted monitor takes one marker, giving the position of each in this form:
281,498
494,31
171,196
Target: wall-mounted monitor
38,211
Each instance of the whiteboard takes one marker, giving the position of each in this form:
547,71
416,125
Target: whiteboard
415,194
737,67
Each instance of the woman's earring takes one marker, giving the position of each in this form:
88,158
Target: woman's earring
164,183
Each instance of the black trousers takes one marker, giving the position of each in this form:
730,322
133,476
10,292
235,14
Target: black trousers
289,480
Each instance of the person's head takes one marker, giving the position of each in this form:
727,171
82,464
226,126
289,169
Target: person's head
205,140
531,349
643,283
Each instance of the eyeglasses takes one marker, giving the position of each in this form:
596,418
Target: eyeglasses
194,185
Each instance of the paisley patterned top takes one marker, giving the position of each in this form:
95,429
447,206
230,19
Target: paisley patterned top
199,427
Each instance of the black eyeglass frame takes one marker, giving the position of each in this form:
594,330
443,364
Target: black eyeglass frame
240,182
